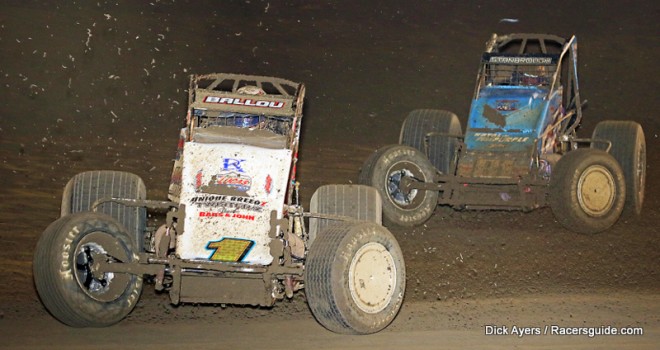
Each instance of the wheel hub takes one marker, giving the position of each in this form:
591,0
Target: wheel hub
372,278
398,195
109,286
596,190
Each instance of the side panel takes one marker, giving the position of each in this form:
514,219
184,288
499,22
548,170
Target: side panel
229,191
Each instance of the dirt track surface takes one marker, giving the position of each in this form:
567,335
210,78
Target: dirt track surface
456,324
101,85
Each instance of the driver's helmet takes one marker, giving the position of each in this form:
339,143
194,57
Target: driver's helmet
251,90
239,120
246,120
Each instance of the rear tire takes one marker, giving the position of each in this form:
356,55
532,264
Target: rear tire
629,149
441,148
63,277
355,278
388,167
359,202
587,191
84,189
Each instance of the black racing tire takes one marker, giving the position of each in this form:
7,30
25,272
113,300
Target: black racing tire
629,149
85,188
368,165
355,278
389,165
62,271
359,202
442,148
587,191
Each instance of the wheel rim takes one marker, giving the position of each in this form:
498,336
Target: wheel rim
596,190
372,278
395,193
109,287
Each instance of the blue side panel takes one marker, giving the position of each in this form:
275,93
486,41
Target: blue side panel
509,118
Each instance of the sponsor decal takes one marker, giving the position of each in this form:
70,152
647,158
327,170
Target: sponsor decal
269,184
228,204
179,148
248,102
520,60
506,105
220,214
222,182
488,137
198,180
229,249
234,180
234,164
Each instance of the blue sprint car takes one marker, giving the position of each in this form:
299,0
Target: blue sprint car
520,149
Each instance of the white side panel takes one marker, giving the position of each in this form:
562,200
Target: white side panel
229,191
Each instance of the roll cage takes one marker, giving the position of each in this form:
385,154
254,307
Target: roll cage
221,99
541,60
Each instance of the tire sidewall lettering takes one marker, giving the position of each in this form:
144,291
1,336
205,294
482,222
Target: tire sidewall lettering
67,254
65,297
394,156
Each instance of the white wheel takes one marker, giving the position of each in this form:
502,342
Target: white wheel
372,278
596,190
355,278
587,190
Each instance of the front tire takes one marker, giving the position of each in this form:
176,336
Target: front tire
587,191
63,271
355,278
385,171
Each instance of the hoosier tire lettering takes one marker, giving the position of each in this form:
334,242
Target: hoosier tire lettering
65,271
386,170
64,276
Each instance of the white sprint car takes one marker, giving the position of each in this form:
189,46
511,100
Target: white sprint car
234,231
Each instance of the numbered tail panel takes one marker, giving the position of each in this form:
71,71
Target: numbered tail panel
229,191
